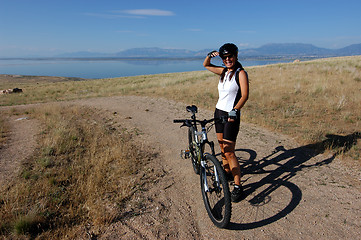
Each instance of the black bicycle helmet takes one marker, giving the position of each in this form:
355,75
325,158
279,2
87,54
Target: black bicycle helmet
228,49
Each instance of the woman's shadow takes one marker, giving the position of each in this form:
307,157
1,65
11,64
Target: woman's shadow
279,167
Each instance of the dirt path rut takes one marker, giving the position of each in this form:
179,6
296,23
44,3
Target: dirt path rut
20,146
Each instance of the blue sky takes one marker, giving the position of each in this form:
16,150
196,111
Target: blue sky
49,27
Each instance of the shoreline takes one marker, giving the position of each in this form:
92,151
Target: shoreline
105,68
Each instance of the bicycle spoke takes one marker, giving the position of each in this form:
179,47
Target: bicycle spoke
215,192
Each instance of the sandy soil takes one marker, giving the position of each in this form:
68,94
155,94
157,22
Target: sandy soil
293,193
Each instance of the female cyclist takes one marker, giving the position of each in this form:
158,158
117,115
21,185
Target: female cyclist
233,91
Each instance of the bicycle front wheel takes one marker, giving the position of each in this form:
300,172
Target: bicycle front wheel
215,191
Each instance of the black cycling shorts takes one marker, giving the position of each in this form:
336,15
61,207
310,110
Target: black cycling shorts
229,129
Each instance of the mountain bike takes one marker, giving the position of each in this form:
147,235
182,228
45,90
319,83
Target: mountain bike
214,185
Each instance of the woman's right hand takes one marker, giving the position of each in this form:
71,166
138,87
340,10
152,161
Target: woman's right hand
213,68
213,54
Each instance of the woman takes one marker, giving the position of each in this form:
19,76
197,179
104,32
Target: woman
233,93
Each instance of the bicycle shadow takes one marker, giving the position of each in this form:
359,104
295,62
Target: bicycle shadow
279,167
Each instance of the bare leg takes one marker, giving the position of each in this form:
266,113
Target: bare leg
224,159
229,148
230,162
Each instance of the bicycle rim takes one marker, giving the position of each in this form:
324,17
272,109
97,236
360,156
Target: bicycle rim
193,149
217,198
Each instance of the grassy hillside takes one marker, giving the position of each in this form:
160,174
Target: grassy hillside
311,101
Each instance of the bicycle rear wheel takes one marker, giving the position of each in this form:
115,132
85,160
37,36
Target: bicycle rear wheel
194,150
215,192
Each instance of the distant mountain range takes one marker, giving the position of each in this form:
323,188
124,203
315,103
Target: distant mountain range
139,53
269,50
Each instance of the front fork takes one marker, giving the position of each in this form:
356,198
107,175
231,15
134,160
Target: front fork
204,175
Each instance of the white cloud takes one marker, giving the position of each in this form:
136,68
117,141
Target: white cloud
133,13
148,12
111,16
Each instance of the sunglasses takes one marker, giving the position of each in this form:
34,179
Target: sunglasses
225,57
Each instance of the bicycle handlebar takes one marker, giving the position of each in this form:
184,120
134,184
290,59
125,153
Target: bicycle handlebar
205,121
186,122
193,110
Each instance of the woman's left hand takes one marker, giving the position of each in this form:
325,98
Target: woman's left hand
232,115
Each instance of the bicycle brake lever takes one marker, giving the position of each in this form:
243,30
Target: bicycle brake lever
186,124
183,125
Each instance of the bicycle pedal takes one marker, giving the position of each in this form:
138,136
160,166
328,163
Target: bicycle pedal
185,154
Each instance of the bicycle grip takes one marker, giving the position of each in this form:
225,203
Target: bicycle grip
178,121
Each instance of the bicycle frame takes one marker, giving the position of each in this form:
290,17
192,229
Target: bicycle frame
204,139
201,144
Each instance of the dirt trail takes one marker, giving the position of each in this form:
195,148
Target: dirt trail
19,147
292,192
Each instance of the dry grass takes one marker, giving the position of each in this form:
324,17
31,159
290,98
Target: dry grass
306,100
317,101
163,85
81,175
3,130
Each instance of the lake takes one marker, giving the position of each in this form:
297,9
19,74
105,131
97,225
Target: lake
108,68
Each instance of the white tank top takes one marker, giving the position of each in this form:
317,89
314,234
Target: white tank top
229,92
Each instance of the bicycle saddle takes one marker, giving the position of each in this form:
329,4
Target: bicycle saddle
192,109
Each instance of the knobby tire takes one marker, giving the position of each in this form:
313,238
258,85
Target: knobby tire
193,149
218,199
